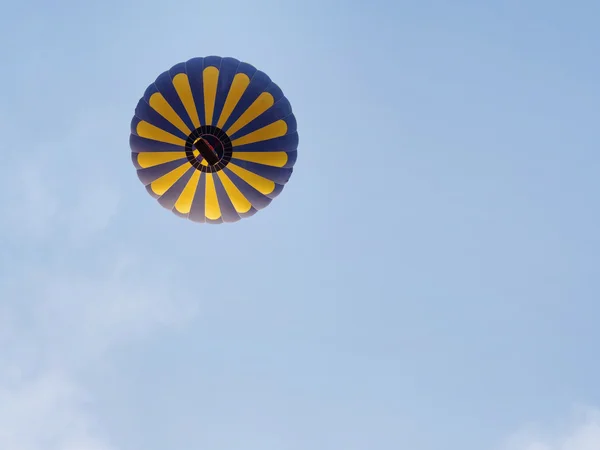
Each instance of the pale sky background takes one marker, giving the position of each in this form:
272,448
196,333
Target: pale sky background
428,280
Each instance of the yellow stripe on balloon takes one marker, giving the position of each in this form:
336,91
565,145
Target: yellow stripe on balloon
237,89
239,201
161,106
149,131
212,209
181,83
210,78
274,159
184,203
259,106
272,131
151,159
261,184
164,183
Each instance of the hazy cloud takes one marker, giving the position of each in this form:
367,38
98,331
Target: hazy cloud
56,321
47,412
60,188
581,433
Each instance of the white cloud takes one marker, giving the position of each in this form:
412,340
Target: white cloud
69,317
47,412
97,313
581,433
60,187
57,321
94,205
32,207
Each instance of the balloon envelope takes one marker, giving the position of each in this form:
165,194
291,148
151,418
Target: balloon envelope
214,140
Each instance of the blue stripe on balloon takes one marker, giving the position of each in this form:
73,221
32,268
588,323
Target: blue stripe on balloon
276,174
169,198
292,156
194,68
164,84
257,199
289,142
228,212
150,174
139,145
227,72
278,189
280,110
146,113
214,61
173,71
292,124
247,69
197,213
151,192
249,213
257,85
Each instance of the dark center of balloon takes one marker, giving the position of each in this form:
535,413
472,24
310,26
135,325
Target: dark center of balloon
207,151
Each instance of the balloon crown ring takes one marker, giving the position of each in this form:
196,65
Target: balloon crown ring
208,149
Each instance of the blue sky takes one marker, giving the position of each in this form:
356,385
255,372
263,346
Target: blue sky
427,280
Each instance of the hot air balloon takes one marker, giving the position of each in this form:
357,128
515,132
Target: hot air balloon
214,140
